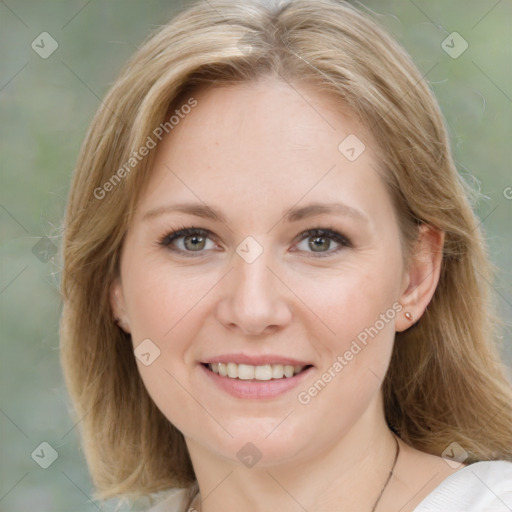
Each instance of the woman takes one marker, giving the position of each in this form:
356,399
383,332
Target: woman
275,290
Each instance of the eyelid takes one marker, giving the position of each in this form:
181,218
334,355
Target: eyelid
173,234
327,230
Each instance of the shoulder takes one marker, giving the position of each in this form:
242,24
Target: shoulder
176,500
485,485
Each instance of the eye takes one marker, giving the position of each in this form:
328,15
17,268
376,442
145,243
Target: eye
187,240
320,240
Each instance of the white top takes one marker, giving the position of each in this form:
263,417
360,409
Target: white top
480,487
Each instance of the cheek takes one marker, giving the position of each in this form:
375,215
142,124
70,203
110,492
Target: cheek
361,309
354,299
163,299
165,306
357,308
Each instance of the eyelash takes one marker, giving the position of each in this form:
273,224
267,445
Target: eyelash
328,232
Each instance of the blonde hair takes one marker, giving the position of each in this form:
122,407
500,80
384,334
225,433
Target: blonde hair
445,381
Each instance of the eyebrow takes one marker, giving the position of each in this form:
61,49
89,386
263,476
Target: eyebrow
292,215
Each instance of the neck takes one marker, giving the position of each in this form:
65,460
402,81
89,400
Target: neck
349,474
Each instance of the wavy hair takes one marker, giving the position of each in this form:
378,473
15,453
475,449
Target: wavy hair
445,381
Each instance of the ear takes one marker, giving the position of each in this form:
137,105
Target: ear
117,303
422,276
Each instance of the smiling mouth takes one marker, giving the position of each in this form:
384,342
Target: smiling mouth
264,372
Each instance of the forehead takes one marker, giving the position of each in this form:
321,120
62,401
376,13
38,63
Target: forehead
267,118
251,143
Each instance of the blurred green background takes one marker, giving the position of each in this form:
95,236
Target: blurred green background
45,108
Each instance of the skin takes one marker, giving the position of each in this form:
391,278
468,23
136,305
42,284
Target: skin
253,151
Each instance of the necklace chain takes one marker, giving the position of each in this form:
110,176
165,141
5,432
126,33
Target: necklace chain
389,476
193,504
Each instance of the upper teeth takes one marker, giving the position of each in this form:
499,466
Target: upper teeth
249,372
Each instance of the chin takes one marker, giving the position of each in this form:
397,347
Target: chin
264,442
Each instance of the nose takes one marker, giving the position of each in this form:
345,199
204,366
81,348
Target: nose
254,299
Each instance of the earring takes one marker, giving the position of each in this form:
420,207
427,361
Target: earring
408,316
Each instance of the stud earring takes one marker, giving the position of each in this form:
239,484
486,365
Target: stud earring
408,316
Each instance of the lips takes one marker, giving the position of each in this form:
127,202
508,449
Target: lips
263,376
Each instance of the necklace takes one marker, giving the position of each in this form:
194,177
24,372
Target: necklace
195,502
389,476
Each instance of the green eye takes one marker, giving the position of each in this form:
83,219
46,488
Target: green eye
192,240
319,241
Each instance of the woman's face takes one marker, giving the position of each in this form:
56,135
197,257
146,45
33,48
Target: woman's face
293,260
